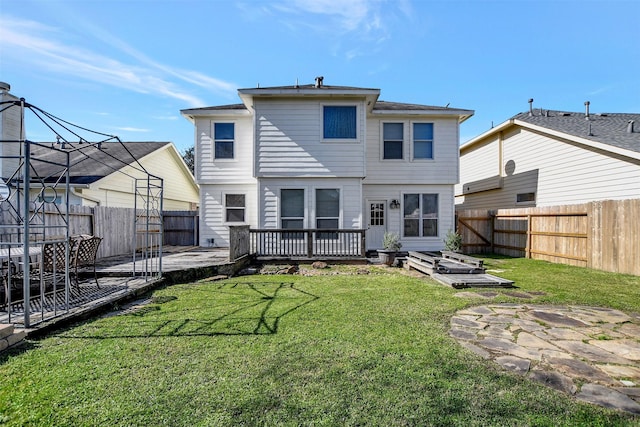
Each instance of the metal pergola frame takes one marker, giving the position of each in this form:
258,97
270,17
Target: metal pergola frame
24,226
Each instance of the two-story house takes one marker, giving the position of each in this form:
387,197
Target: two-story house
327,157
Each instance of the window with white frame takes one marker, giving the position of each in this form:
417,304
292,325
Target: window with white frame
223,137
292,208
234,207
327,211
392,140
339,122
423,140
420,214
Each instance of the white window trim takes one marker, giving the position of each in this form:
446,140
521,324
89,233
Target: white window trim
235,141
436,237
411,142
305,220
340,200
404,141
355,140
224,208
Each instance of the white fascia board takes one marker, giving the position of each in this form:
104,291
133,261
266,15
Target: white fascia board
248,95
486,134
461,114
191,115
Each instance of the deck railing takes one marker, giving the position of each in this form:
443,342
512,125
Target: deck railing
308,243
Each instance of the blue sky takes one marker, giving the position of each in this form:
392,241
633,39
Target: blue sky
127,68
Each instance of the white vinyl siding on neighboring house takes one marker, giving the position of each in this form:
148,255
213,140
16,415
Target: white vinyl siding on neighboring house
290,143
558,172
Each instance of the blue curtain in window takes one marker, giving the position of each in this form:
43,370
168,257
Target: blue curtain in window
339,122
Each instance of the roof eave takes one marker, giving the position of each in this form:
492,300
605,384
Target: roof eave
192,114
248,95
461,114
563,135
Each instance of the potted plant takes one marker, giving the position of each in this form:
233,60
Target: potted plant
391,244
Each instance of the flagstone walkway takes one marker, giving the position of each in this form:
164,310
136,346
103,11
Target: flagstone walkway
591,353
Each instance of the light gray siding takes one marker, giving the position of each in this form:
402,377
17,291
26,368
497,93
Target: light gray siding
289,141
446,215
212,212
232,171
443,169
350,200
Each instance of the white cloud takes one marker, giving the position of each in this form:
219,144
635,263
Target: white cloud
38,45
132,129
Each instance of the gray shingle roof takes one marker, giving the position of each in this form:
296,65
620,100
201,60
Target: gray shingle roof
385,105
90,164
606,128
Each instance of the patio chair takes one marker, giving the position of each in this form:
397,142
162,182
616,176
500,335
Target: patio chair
84,252
52,265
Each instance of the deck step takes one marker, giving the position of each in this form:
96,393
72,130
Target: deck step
456,270
9,337
482,280
5,330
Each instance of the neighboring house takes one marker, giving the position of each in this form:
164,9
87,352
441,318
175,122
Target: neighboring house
327,157
546,158
107,176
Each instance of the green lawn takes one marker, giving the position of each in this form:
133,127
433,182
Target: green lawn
334,349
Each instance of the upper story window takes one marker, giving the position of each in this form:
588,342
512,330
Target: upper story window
392,140
339,122
423,140
223,137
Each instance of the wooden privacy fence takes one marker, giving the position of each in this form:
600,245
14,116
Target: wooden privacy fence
604,235
114,225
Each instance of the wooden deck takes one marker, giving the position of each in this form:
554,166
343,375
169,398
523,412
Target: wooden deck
456,270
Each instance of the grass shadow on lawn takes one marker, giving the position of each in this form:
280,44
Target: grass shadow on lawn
240,308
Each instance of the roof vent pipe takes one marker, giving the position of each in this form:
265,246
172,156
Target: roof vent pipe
5,87
319,81
530,107
586,109
630,126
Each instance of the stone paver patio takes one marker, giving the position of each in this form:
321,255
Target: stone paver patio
591,353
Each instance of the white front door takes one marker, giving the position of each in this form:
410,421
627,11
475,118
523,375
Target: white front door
377,223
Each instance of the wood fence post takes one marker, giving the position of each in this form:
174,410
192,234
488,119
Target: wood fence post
529,240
